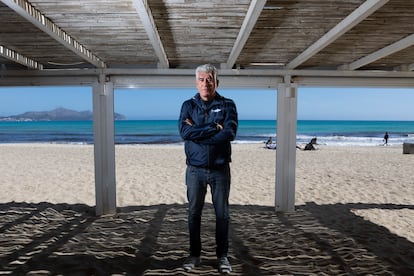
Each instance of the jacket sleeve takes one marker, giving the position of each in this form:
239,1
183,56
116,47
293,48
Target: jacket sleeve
230,124
194,132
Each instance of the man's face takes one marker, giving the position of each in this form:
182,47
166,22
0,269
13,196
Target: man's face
206,85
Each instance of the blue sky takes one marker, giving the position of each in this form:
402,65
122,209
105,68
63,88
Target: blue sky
313,103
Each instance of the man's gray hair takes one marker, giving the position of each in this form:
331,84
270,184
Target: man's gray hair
207,68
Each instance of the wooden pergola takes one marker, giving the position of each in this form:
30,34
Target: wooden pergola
274,44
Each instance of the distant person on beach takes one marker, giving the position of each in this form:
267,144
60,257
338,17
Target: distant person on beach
386,136
269,141
207,123
309,146
269,144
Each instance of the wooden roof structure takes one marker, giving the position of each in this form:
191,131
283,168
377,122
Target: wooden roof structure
279,44
339,35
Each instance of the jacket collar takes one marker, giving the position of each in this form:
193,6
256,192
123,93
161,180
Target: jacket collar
199,101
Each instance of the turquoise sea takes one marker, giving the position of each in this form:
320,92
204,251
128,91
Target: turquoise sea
338,133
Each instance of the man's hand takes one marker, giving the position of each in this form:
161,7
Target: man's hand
219,127
189,122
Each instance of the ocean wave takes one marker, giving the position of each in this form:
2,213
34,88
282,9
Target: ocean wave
329,133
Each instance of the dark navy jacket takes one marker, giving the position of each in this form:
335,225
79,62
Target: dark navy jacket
205,145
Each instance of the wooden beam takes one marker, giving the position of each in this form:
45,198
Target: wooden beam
147,20
362,12
31,14
403,79
240,73
19,58
386,51
104,146
255,9
286,146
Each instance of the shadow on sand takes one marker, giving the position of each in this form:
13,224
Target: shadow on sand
63,239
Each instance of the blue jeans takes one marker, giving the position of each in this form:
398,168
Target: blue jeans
197,180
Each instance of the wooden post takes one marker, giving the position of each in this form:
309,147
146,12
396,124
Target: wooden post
104,146
286,146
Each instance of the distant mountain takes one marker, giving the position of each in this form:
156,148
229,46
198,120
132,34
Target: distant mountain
58,114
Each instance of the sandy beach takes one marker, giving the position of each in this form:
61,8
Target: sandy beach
355,213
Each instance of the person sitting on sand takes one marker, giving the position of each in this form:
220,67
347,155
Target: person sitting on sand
269,141
309,146
269,144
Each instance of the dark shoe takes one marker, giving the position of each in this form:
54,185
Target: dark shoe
224,265
191,262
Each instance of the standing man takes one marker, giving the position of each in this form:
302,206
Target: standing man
207,123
